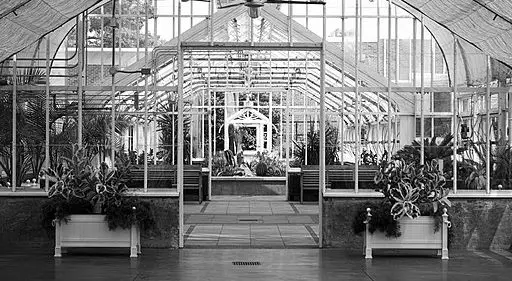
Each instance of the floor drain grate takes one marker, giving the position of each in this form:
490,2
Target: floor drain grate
246,263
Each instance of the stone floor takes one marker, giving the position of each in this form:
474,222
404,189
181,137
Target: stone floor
252,264
250,222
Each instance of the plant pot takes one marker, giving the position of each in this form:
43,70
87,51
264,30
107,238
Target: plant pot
417,233
92,231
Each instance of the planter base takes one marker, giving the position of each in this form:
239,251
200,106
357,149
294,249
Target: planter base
416,234
92,231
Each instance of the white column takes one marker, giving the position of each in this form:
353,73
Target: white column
80,67
422,93
455,110
47,113
14,122
180,129
321,188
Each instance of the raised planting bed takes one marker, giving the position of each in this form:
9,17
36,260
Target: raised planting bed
248,185
92,231
417,233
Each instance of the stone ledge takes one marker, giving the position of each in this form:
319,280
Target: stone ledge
139,193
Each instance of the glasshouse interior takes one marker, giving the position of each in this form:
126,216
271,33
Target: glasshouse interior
366,125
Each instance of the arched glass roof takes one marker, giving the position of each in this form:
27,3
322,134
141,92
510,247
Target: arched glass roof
262,68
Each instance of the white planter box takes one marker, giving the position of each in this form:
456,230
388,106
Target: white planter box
416,234
92,231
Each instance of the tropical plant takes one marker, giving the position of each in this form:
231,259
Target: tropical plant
313,147
222,167
274,166
168,126
79,186
409,190
407,184
500,165
30,127
368,157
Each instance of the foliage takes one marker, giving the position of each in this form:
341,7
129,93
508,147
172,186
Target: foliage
79,187
500,165
130,211
368,157
407,184
261,169
168,126
274,166
313,147
221,166
30,127
58,208
433,149
77,178
381,220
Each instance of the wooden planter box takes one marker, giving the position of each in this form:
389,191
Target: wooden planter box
417,233
92,231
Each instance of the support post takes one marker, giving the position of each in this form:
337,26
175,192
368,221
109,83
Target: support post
58,240
357,138
367,236
455,115
180,130
321,188
488,130
80,68
389,78
210,136
422,93
446,224
14,122
47,114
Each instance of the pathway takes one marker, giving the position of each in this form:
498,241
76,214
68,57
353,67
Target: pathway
251,222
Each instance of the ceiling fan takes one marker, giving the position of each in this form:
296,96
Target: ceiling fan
254,5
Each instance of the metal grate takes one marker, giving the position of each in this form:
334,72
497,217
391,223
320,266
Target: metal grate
246,263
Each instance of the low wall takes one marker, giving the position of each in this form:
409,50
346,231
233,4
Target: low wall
20,222
248,186
483,223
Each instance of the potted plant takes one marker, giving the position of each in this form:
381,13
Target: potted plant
88,207
413,213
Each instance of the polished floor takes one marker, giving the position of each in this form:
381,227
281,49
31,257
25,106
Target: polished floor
252,264
251,222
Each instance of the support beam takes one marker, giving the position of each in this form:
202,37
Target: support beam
321,189
180,132
47,114
14,122
455,109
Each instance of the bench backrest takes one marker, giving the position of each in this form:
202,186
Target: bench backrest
335,173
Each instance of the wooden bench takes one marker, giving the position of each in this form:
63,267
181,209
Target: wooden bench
161,176
193,183
337,177
309,180
165,176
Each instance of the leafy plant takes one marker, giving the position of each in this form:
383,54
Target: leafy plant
313,147
368,157
274,166
221,166
407,184
168,126
78,186
130,211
